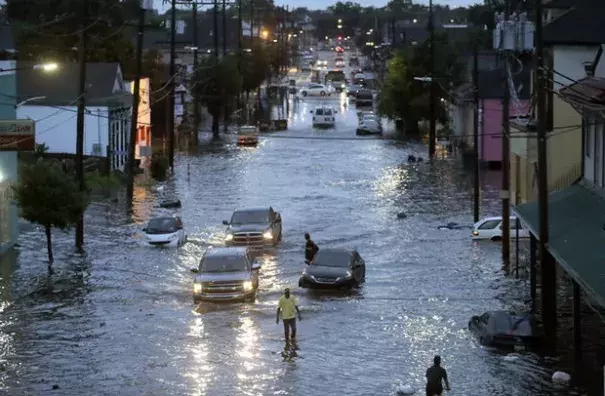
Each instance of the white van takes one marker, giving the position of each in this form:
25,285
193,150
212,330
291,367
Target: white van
491,228
324,116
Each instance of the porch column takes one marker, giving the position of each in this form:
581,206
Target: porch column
532,270
548,298
577,332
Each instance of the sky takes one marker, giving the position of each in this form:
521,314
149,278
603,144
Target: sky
320,4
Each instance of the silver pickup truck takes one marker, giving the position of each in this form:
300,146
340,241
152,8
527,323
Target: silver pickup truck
254,227
226,274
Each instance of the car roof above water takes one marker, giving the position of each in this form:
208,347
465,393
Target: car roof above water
256,209
226,252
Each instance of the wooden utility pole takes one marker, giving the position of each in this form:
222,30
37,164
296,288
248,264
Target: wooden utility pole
215,29
172,84
547,266
505,193
196,100
224,16
433,93
476,182
80,123
134,122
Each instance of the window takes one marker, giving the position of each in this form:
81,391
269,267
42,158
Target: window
490,224
319,111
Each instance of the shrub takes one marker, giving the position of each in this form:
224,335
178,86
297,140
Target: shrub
159,167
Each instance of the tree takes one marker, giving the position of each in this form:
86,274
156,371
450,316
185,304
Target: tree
255,67
48,196
216,83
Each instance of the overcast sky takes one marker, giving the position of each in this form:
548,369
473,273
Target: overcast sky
318,4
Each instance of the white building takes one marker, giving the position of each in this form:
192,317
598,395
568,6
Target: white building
143,139
50,99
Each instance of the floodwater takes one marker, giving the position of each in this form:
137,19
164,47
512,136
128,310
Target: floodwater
121,321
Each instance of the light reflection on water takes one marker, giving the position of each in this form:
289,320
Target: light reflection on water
121,320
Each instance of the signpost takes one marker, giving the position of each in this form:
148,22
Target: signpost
17,135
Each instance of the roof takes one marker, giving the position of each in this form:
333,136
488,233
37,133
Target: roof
7,41
226,251
60,87
582,24
580,253
587,93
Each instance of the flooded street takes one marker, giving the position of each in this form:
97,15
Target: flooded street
121,321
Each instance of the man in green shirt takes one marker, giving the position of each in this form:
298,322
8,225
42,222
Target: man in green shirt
288,309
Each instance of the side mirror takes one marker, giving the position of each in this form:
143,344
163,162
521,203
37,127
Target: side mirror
144,229
225,222
194,270
255,266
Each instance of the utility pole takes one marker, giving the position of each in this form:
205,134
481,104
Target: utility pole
433,97
215,30
547,266
251,22
135,104
505,193
80,124
476,187
172,84
239,47
196,103
224,28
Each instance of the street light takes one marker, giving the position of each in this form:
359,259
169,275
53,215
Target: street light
47,67
424,79
340,26
415,20
264,34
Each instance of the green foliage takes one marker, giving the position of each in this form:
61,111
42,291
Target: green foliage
41,149
96,180
49,197
255,67
159,167
408,99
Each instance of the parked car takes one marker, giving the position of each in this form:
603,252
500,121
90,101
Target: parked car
226,274
316,90
254,227
499,328
323,116
247,135
165,231
369,127
359,76
491,228
334,269
364,98
352,90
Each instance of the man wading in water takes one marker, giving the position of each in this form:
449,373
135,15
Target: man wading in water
288,309
311,249
434,375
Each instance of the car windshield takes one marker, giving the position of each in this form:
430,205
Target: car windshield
336,76
332,258
250,217
518,325
223,264
328,112
364,95
163,225
319,111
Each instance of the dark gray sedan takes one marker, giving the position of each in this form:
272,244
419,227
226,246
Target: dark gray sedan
334,269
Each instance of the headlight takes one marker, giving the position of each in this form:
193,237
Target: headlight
173,236
475,233
247,285
268,235
229,237
197,288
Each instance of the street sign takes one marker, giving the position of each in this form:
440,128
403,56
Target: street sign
17,135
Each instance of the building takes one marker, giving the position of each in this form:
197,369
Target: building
9,164
569,48
143,139
51,101
490,108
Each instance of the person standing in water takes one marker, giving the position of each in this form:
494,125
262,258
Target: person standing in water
311,248
435,375
288,309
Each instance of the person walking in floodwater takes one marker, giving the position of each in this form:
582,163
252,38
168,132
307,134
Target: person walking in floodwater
434,377
311,249
288,309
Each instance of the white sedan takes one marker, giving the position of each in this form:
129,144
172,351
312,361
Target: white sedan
316,90
165,231
491,228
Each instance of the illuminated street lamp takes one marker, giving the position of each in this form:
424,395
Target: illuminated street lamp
47,67
264,34
415,20
340,21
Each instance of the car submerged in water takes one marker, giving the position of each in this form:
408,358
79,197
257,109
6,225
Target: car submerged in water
502,329
254,227
334,269
165,231
226,274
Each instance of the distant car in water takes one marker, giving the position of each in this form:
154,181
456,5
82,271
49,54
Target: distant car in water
364,98
226,274
334,269
323,116
491,228
352,90
165,231
316,90
254,227
369,126
499,328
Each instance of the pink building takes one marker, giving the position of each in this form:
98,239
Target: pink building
491,92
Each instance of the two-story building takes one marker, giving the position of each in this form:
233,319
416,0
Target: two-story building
569,46
50,99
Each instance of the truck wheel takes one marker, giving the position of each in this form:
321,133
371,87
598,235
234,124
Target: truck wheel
322,93
304,93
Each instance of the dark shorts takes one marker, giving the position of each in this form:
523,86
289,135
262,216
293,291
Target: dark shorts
290,326
434,391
